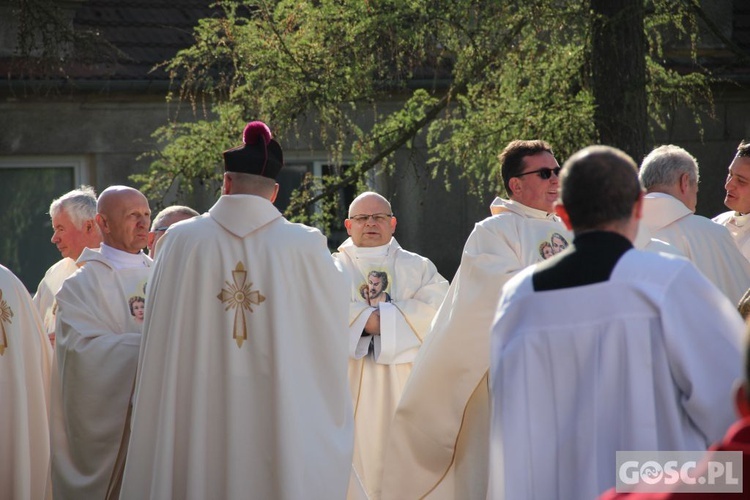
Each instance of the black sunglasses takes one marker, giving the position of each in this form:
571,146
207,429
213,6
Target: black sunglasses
545,173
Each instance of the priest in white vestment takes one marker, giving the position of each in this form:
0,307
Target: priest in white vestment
670,176
25,358
737,219
394,296
74,228
605,348
242,389
98,338
439,438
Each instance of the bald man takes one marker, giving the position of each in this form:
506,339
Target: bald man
98,338
394,294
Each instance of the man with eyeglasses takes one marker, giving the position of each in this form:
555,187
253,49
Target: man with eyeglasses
394,297
670,176
605,348
446,397
163,221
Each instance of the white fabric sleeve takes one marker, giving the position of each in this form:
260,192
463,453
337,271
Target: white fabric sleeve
703,334
359,343
397,342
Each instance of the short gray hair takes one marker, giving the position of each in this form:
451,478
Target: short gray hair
664,165
172,210
79,204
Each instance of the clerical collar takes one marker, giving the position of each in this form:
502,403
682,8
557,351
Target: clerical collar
123,260
739,219
369,252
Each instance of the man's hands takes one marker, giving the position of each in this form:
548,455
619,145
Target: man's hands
372,327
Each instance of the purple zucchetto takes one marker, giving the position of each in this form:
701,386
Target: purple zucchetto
260,154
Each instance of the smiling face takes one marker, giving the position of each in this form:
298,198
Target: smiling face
370,232
533,191
124,218
738,185
71,240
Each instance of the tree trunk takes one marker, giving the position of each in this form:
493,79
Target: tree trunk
618,74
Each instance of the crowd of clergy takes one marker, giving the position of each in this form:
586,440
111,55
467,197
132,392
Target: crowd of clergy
230,355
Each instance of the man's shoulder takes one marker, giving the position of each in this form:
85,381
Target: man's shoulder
723,217
654,268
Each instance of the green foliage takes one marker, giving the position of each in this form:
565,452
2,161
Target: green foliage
362,79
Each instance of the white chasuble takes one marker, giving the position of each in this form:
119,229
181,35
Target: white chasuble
44,298
242,389
25,359
439,436
644,361
98,335
406,289
707,244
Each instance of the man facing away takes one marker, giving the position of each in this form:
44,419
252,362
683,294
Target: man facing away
242,389
605,348
97,351
25,359
74,228
438,442
737,199
394,296
162,222
670,176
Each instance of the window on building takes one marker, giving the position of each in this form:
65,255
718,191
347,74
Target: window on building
27,187
291,177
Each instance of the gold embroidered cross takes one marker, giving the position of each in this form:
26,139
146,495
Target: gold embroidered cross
239,297
5,317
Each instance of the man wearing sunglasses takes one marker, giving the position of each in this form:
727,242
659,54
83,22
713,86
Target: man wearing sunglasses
394,297
605,348
446,397
670,176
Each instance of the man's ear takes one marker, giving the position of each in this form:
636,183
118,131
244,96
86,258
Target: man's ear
348,226
515,186
102,223
638,208
275,192
226,186
151,236
684,183
563,214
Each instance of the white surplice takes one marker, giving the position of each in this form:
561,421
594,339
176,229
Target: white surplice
439,436
704,242
96,348
377,373
242,389
25,359
643,361
44,298
739,227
